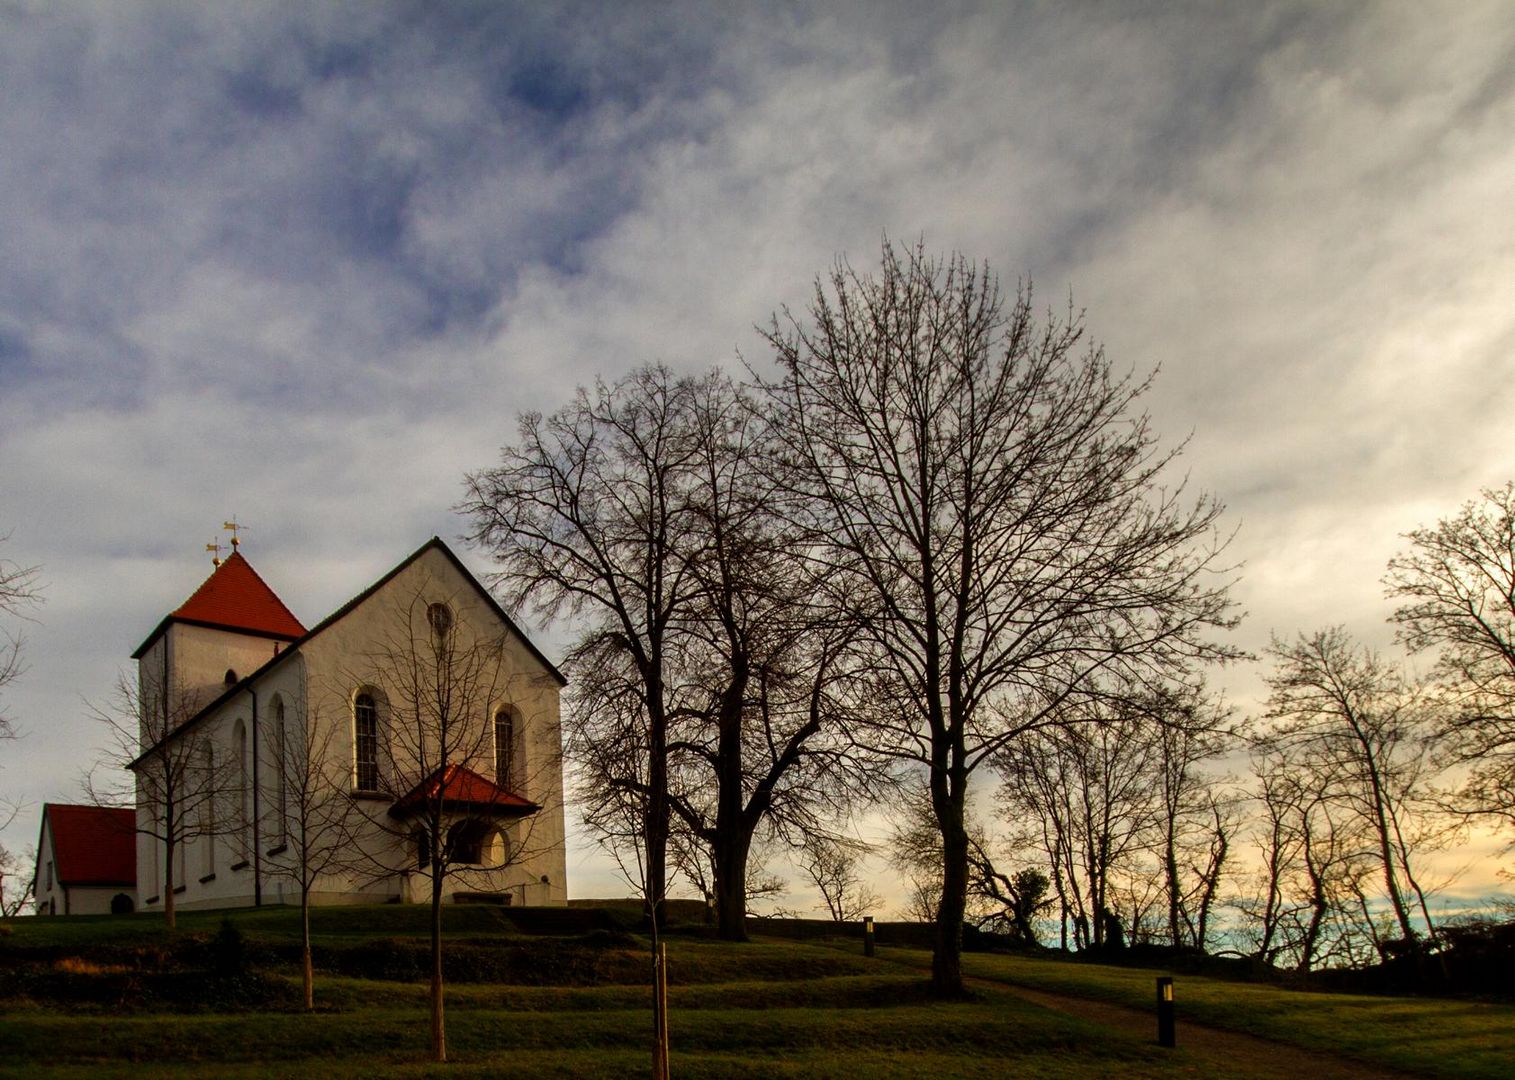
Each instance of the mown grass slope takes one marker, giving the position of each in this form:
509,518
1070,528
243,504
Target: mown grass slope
77,1000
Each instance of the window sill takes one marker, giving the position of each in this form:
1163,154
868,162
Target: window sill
179,888
243,865
370,796
151,900
280,850
207,878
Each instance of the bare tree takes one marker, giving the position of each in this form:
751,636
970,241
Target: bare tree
1457,582
1304,910
1015,901
1358,727
586,516
175,784
428,743
915,850
18,590
834,866
760,743
1088,795
648,508
15,882
607,750
16,873
314,814
1197,820
1009,902
990,496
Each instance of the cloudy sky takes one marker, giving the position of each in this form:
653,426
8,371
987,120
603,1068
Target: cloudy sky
305,267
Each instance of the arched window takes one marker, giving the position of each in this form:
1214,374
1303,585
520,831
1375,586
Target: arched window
208,812
504,746
439,616
281,768
365,722
239,740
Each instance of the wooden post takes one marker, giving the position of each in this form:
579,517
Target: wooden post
867,935
660,999
1165,1026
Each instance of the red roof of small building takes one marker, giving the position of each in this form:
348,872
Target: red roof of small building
462,788
93,845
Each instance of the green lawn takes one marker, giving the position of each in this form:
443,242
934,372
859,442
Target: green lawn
1429,1036
767,1009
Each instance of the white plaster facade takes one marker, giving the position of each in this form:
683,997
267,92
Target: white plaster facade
251,693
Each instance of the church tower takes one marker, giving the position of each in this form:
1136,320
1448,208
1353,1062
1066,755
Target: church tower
232,625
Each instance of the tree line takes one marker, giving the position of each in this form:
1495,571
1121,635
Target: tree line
937,547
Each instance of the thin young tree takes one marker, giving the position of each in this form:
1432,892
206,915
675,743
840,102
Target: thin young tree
433,682
313,813
1457,584
1359,727
174,781
991,496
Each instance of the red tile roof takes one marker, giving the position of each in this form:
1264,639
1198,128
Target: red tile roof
462,788
237,598
93,845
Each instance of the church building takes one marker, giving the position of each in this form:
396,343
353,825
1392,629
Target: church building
416,727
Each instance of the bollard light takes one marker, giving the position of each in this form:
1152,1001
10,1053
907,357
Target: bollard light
868,935
1165,1025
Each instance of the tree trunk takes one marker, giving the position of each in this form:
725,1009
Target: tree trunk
307,971
655,827
1170,871
438,1029
733,833
731,884
947,956
170,912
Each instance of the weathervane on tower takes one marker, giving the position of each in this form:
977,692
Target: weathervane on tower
214,547
233,527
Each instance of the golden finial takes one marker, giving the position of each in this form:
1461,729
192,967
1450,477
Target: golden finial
215,549
233,527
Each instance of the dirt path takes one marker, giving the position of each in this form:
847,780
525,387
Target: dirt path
1248,1055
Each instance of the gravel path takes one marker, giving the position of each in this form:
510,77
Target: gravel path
1240,1055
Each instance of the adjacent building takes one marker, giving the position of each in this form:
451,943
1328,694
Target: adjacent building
86,860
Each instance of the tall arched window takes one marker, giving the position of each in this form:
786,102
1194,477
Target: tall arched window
239,741
208,812
281,768
365,717
504,746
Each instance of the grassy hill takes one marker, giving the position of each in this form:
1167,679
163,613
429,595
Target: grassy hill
566,994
